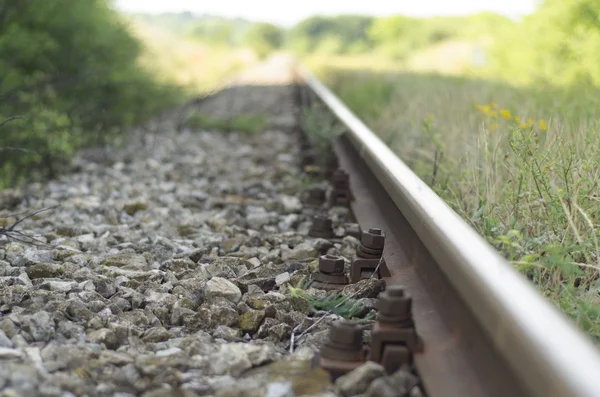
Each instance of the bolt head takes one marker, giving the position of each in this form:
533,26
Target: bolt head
331,264
346,333
395,290
322,222
317,193
340,176
395,306
374,240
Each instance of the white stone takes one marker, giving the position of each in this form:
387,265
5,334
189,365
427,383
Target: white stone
218,287
8,353
291,204
280,389
282,278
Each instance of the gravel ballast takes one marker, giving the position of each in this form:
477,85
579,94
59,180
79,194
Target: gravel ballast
165,269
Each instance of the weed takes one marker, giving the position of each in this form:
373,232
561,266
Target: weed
322,128
331,302
245,123
520,165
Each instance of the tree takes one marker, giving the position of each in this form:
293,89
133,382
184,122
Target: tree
558,44
264,38
69,70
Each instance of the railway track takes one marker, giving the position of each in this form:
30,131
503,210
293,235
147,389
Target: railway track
485,330
195,262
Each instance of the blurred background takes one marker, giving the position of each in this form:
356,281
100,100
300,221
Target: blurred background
495,104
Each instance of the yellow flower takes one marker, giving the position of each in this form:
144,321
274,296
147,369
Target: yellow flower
523,126
530,122
486,109
506,114
517,120
492,114
543,125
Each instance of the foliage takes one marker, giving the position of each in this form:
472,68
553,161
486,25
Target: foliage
69,72
333,302
220,31
321,128
246,123
519,164
264,38
558,44
174,21
344,33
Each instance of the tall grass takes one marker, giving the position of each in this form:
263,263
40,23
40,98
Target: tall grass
520,165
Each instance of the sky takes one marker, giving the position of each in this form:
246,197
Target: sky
289,12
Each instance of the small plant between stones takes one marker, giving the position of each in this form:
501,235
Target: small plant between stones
334,302
321,128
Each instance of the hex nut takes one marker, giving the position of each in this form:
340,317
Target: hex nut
340,178
317,193
346,333
322,222
331,264
399,308
395,290
373,238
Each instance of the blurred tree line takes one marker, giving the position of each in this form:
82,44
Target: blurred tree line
558,43
68,79
396,36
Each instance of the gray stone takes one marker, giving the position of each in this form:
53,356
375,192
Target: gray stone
156,334
104,336
218,287
280,389
301,252
282,278
126,261
7,353
357,381
399,383
40,326
4,340
44,270
168,392
290,204
369,288
251,321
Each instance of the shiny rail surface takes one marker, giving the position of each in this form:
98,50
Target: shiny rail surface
544,353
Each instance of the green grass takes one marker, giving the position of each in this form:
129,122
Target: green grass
333,302
521,165
245,123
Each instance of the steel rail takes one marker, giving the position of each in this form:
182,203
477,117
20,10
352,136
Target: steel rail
541,347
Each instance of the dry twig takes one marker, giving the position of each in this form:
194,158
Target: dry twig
16,235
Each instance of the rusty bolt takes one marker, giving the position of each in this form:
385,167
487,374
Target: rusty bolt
346,334
331,264
340,178
373,238
343,351
317,193
394,305
322,222
332,162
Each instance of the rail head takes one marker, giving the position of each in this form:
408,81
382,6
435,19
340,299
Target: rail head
547,353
